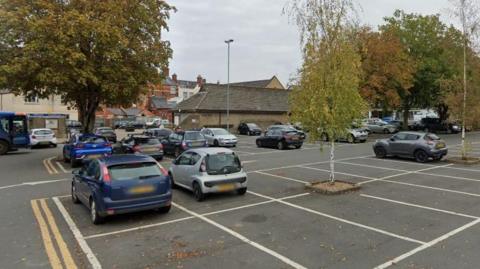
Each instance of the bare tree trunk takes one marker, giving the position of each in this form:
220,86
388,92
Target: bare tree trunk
332,160
464,146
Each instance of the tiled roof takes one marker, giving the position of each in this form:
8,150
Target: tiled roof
213,98
132,111
187,84
256,83
160,102
116,111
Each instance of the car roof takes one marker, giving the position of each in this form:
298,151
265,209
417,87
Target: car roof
413,133
41,129
216,129
125,158
211,151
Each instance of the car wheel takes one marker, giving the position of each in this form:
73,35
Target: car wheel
351,139
259,143
242,191
298,146
94,217
280,145
421,156
177,152
3,147
74,195
73,163
172,182
380,152
65,159
386,131
249,133
215,143
164,210
197,192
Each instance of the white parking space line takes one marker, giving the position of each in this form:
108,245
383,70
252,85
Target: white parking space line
336,172
429,187
63,168
340,219
422,164
33,183
282,177
419,206
188,218
243,238
249,161
92,259
243,152
420,171
427,245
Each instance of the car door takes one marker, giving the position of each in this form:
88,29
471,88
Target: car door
169,145
411,144
180,172
208,134
399,144
86,175
191,170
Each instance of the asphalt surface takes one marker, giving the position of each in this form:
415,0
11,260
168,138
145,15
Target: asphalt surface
406,215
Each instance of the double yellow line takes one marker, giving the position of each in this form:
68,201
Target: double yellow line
49,166
47,227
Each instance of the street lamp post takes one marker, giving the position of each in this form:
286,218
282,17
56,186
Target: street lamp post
228,82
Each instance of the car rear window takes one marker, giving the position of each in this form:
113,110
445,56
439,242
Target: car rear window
222,164
431,137
220,132
43,132
147,141
130,171
92,139
193,136
252,125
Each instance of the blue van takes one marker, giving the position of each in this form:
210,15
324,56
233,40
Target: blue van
13,132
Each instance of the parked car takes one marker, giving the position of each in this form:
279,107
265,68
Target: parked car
355,135
437,125
420,146
208,170
160,133
219,137
85,146
153,123
281,139
106,132
141,144
73,126
287,128
379,126
249,129
42,137
180,141
121,184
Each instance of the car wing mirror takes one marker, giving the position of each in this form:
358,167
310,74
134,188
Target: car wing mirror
392,139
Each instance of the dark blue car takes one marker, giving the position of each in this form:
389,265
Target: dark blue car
86,146
121,184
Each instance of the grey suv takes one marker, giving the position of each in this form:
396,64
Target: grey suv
420,146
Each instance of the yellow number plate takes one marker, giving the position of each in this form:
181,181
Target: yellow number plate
226,187
142,189
94,156
440,145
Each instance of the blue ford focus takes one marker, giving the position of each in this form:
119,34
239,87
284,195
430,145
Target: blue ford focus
121,184
85,146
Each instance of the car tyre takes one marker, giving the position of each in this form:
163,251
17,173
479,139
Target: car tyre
73,163
249,133
94,216
74,195
351,139
281,145
197,192
215,143
386,131
259,143
380,152
3,147
164,210
421,156
172,182
65,159
242,191
298,146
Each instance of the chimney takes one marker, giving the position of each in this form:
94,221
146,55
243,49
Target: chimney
174,77
199,80
166,72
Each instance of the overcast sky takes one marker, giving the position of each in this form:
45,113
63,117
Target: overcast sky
265,43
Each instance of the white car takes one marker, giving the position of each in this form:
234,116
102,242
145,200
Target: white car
219,137
208,170
42,136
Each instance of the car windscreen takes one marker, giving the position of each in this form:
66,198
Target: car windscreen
147,141
92,139
193,136
134,171
220,132
431,137
252,125
43,132
222,164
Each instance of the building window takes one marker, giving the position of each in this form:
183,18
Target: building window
173,90
32,99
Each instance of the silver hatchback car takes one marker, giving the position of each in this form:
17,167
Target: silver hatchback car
209,170
420,146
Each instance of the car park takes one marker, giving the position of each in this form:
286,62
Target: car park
106,132
249,129
379,126
141,144
85,146
160,133
121,184
42,137
219,137
180,141
280,138
287,128
437,125
209,170
354,135
420,146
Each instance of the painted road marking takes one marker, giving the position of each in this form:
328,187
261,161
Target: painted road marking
336,172
243,238
366,227
46,238
419,206
282,177
421,164
427,245
62,168
403,174
33,183
67,257
78,235
249,161
431,188
49,166
191,217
